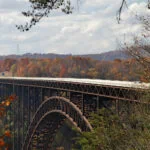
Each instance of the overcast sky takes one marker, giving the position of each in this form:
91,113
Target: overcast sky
91,29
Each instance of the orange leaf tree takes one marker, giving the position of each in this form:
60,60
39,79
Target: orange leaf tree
5,133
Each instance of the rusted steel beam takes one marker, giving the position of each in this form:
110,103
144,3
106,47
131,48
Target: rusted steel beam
122,93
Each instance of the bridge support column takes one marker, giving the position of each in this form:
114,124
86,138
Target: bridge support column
20,111
35,95
42,95
23,115
2,92
82,98
68,94
28,99
97,103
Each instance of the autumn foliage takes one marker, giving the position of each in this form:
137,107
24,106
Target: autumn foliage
5,133
75,67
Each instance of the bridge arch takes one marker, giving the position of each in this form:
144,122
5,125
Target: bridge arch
49,117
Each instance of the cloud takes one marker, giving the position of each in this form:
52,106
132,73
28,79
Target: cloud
13,4
92,29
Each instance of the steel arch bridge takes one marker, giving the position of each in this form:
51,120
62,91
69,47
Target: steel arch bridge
44,104
50,114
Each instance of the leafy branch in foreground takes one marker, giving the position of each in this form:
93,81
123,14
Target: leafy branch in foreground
5,133
42,8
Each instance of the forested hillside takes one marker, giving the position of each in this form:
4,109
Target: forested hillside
77,67
111,55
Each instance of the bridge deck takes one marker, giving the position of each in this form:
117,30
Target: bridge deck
114,83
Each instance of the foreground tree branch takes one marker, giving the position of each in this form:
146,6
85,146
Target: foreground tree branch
42,8
140,49
124,4
5,133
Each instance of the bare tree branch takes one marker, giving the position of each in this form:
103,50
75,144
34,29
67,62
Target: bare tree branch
124,4
42,8
140,49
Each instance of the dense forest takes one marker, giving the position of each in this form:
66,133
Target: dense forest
74,66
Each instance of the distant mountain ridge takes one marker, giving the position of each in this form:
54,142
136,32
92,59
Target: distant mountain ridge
108,56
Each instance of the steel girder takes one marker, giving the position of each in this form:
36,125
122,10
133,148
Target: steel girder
113,92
